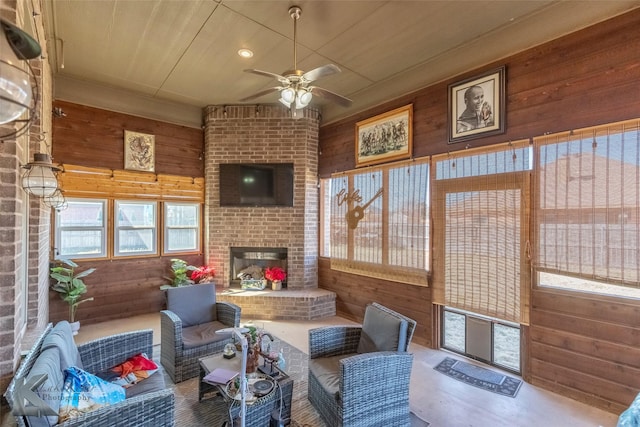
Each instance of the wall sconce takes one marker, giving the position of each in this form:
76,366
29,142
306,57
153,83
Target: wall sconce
39,178
57,200
16,95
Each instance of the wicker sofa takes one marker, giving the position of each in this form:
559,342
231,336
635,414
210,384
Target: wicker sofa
148,403
359,376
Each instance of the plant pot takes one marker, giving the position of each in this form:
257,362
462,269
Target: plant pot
276,285
75,327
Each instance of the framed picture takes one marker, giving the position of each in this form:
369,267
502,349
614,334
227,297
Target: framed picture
477,106
385,137
139,151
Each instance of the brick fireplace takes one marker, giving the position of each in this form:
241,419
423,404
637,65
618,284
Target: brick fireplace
263,134
242,258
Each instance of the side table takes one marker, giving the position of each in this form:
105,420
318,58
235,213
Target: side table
259,412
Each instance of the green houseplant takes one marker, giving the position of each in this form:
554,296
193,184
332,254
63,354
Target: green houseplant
180,270
70,285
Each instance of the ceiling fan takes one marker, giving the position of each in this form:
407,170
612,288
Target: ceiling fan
295,87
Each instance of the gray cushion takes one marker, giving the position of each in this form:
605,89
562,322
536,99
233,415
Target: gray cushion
382,331
61,337
199,335
155,382
194,304
48,362
327,371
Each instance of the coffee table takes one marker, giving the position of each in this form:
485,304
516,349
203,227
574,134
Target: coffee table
258,411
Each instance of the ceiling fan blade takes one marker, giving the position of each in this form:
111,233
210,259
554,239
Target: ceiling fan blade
280,78
262,93
316,73
334,97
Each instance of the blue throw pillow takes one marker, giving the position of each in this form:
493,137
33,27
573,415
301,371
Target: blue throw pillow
83,392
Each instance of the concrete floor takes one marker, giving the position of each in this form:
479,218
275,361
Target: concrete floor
443,401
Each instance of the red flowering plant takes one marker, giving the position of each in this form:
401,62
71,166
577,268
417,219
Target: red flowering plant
275,274
203,274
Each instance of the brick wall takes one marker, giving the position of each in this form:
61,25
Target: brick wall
263,134
24,223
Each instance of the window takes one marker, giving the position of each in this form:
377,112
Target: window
181,227
135,228
379,221
480,221
587,214
81,229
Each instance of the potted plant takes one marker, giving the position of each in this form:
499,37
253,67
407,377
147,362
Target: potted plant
71,287
180,271
204,274
276,275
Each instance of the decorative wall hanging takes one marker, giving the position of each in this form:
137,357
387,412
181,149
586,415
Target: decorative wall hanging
385,137
139,151
477,106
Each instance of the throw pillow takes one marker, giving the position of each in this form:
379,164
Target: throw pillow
83,392
132,371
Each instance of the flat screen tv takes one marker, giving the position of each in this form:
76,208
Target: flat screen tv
256,184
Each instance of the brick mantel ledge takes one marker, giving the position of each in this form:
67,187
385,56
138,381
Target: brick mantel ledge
286,304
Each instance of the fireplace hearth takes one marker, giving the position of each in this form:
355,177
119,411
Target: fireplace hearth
241,258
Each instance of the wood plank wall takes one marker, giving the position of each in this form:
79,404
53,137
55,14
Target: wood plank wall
94,138
580,345
88,136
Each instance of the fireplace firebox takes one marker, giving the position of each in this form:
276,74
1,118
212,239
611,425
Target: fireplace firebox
241,258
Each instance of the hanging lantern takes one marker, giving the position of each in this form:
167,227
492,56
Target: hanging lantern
57,201
39,178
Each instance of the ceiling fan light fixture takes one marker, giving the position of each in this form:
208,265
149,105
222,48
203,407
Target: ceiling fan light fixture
288,95
303,98
285,103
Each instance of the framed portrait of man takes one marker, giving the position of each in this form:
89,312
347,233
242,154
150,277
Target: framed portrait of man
477,106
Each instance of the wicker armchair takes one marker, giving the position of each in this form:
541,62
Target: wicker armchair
359,376
188,328
150,409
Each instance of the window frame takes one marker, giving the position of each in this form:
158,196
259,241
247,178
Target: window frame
166,227
103,229
117,228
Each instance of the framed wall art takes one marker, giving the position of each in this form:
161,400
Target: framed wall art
385,137
139,151
477,106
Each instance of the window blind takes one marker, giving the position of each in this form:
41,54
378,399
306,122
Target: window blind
587,208
480,214
380,221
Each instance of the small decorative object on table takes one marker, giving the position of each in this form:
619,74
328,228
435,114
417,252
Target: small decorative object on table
276,275
229,351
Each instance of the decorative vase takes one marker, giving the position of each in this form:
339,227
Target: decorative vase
276,285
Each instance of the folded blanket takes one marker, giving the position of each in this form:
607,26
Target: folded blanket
130,372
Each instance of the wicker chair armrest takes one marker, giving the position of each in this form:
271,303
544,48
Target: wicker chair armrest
228,313
104,353
333,340
171,332
152,409
386,374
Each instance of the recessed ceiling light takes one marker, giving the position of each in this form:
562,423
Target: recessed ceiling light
245,53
